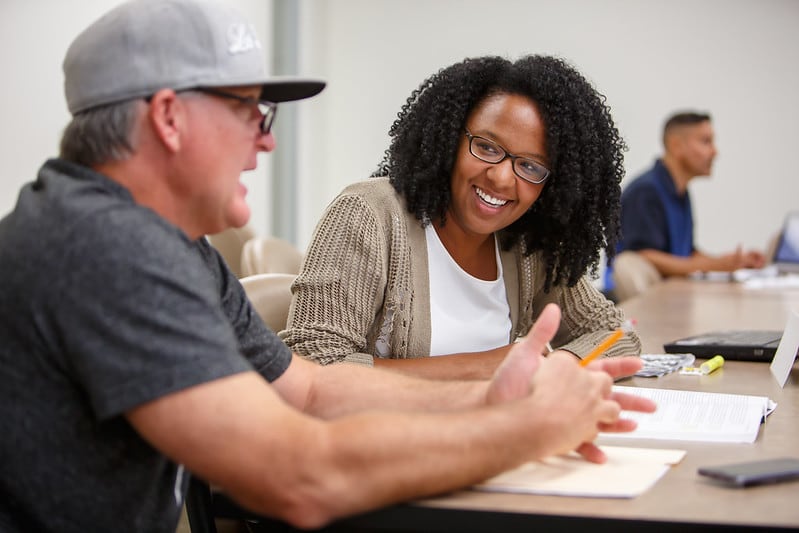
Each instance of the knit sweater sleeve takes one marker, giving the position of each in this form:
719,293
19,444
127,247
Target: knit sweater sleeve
340,287
587,318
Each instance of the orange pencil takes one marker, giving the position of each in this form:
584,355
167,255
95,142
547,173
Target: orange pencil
602,347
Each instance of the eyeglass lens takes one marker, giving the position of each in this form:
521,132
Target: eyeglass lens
267,116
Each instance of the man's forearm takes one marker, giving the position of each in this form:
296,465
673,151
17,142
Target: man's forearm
356,463
463,366
414,456
384,389
672,265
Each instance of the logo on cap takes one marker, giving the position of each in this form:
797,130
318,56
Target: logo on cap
241,38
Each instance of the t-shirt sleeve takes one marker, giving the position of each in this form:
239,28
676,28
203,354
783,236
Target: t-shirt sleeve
259,344
138,315
643,220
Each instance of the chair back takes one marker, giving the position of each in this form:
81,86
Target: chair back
230,243
632,275
267,255
270,295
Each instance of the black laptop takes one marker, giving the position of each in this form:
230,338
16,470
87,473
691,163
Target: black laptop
735,345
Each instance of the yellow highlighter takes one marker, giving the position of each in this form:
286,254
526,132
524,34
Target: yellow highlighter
712,364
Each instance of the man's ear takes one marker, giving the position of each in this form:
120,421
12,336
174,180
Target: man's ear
167,118
674,141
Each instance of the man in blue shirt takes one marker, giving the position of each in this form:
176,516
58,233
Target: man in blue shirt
656,216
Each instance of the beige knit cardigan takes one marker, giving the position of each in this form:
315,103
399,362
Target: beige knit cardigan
364,283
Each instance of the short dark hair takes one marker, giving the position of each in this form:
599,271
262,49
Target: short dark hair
683,118
577,214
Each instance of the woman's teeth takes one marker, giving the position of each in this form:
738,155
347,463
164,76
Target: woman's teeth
487,198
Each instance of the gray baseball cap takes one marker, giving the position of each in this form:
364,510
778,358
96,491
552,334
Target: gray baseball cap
143,46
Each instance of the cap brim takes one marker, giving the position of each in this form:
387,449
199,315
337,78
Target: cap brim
288,89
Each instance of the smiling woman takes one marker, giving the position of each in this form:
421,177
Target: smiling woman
497,195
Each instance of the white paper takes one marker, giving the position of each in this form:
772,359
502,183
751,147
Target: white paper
697,416
786,352
788,281
627,473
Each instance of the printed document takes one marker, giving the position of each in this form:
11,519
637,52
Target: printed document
697,416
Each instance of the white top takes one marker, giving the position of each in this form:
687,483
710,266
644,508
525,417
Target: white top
466,314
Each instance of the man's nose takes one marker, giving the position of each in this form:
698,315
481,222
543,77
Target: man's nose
266,142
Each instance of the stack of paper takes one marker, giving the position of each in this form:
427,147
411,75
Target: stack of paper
627,473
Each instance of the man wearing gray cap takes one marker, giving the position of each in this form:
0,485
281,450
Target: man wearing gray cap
130,355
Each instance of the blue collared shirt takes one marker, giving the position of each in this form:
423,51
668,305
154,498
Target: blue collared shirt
655,216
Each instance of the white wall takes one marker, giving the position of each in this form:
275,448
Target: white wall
735,58
34,36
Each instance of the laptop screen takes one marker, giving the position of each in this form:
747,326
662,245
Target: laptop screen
787,250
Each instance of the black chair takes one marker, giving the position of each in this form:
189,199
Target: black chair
199,507
211,511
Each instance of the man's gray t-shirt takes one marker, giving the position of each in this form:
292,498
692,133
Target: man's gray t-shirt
105,306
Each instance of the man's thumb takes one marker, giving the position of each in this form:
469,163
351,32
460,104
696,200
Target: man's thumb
512,378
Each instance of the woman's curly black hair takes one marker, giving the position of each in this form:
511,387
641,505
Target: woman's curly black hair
577,213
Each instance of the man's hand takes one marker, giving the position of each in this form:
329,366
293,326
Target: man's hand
619,367
582,399
738,259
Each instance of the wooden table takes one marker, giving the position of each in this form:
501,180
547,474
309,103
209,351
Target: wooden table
681,500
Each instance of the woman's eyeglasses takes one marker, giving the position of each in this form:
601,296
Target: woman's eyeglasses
487,150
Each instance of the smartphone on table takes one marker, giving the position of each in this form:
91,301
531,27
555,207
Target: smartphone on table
754,472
